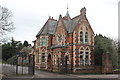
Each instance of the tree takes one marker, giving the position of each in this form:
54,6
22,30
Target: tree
10,49
104,44
25,44
6,24
119,54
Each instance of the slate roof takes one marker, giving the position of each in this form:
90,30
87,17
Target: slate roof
51,24
70,24
49,27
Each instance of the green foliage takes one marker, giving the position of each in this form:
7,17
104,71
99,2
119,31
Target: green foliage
12,60
102,45
10,49
25,44
119,55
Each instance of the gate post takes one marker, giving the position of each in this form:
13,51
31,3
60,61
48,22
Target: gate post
17,66
22,63
31,64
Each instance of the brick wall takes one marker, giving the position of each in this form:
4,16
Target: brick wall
106,63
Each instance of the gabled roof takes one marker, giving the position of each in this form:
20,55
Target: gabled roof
69,24
90,26
62,21
48,28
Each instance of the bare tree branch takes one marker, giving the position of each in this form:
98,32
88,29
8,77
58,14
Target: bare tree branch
6,24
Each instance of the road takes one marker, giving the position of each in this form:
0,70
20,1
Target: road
50,75
44,74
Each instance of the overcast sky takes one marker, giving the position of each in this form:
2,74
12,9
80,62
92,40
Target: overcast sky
30,15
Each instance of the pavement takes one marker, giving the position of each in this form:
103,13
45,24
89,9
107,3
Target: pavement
43,75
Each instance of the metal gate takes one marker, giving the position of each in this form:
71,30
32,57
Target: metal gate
25,64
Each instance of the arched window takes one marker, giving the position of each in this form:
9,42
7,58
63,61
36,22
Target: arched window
81,60
44,41
86,37
87,51
81,37
81,55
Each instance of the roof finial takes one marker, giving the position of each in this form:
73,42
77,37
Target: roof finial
67,6
67,14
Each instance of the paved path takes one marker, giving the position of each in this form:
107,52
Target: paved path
44,74
98,76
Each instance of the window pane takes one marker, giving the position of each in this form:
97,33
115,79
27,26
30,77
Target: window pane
43,57
86,61
81,52
86,53
81,59
81,37
86,37
43,41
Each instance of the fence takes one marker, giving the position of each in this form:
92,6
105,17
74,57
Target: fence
24,65
8,69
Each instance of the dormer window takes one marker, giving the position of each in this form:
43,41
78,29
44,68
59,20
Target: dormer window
44,41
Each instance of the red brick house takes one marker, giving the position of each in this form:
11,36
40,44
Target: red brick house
65,45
